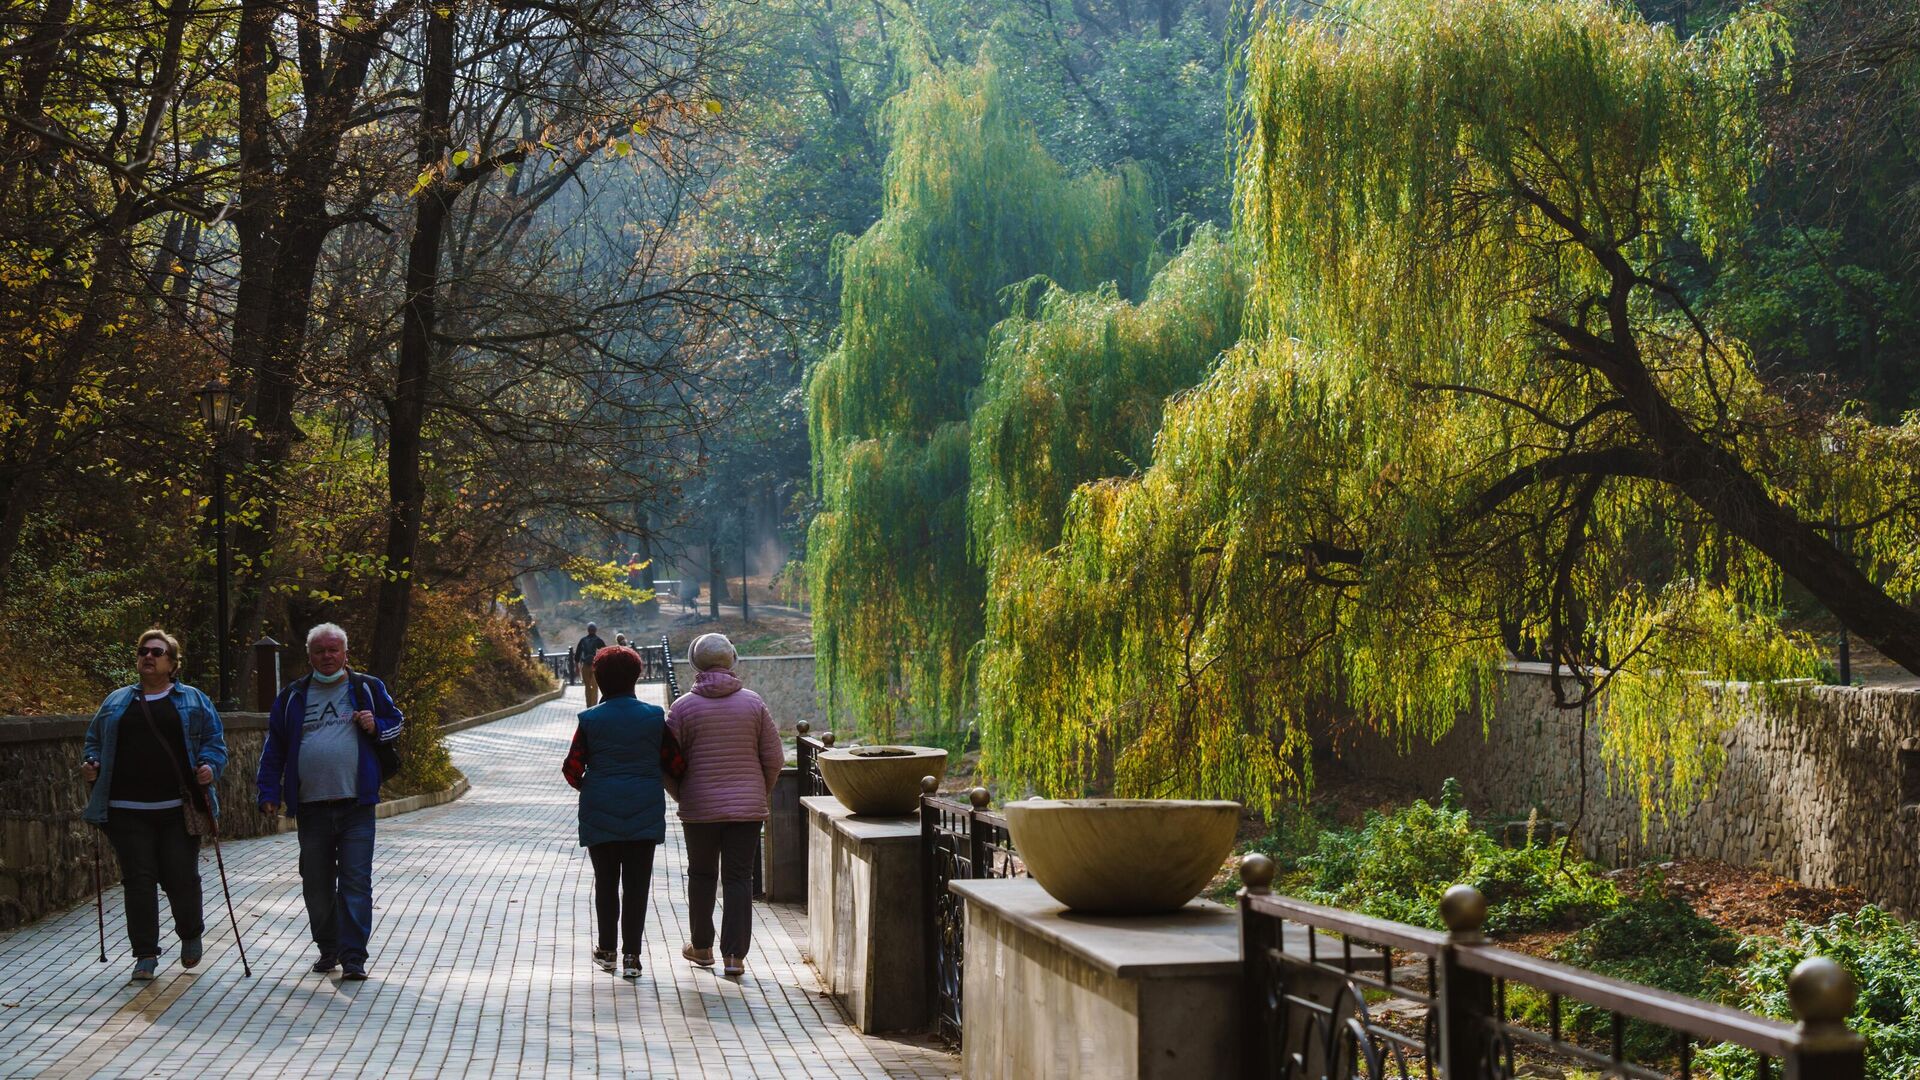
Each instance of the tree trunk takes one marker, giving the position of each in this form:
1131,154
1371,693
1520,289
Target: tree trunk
406,491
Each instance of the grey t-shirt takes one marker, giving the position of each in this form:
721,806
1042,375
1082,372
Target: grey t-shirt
329,744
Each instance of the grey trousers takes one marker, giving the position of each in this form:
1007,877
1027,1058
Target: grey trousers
721,852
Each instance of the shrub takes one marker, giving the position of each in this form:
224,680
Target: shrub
1398,865
1884,955
1657,939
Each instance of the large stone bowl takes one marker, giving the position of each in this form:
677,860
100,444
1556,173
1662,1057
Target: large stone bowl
881,781
1122,856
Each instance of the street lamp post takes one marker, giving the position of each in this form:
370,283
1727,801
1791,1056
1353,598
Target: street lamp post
216,411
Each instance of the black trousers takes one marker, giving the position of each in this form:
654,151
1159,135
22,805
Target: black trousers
627,863
721,852
156,853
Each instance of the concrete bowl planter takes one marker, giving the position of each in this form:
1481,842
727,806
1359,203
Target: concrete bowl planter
1122,856
881,781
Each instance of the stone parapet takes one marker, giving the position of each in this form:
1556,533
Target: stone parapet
1057,994
866,914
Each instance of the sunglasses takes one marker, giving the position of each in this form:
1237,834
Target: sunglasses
151,650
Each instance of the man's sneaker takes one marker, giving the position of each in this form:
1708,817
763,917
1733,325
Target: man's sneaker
603,959
733,966
630,966
145,968
326,963
354,973
701,957
190,953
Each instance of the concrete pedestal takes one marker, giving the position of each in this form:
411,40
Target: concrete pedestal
866,914
784,873
1061,995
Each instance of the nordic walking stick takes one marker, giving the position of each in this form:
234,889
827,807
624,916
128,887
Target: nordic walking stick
99,900
213,821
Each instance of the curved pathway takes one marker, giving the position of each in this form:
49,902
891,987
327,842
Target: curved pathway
480,963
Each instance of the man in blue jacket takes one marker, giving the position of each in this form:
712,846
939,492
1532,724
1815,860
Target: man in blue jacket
323,764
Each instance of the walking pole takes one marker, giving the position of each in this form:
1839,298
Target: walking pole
99,901
213,821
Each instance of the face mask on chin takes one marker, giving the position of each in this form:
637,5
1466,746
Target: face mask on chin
329,680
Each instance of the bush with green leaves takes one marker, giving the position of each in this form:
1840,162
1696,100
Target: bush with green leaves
1654,938
1397,866
1882,952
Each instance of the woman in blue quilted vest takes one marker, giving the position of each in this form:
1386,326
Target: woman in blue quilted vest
621,753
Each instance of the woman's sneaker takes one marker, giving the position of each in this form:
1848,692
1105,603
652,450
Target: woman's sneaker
630,966
603,959
733,966
700,957
145,968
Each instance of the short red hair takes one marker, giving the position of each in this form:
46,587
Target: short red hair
616,668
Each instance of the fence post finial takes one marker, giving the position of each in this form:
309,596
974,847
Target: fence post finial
827,739
1464,911
1256,872
803,727
980,797
928,785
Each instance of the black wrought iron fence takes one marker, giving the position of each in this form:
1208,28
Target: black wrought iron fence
805,749
560,663
1334,994
958,841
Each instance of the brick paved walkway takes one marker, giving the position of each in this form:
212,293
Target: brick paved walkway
480,963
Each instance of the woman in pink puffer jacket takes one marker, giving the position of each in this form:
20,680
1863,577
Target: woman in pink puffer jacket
733,756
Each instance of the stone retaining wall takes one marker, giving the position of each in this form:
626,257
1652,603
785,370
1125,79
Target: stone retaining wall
46,849
1826,792
786,682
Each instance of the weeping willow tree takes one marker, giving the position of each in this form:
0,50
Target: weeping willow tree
1477,417
972,205
1074,393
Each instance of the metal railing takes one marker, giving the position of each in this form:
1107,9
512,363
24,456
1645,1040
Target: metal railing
805,749
958,841
1347,996
561,664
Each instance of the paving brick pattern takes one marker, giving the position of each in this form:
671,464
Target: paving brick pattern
480,963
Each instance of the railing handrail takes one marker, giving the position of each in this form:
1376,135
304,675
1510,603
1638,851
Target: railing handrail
1468,996
1365,927
1678,1012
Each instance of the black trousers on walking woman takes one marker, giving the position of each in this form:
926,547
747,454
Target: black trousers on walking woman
721,852
156,852
618,863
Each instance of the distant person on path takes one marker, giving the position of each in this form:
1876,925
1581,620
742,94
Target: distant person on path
322,764
153,748
621,640
733,757
583,654
621,757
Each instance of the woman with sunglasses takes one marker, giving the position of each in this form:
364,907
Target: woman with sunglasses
154,751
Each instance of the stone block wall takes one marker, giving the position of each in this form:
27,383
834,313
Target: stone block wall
1825,791
47,849
785,682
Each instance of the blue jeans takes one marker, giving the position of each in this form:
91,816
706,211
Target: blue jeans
336,874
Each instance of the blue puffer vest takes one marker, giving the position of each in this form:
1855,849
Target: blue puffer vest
621,797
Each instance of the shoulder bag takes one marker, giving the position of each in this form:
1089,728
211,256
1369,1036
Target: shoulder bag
193,805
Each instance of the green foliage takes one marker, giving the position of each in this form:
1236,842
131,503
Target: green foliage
68,623
972,205
1074,393
1364,504
1654,938
1882,952
608,580
1397,866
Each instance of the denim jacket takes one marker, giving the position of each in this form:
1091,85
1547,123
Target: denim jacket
202,737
